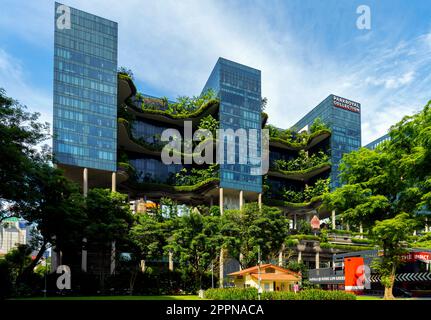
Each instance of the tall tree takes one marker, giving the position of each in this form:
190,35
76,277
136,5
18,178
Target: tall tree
20,134
388,184
247,229
196,243
391,235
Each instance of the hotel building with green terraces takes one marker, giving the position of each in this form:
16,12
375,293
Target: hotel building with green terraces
108,134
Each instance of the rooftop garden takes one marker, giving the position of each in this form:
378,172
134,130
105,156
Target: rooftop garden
294,138
183,107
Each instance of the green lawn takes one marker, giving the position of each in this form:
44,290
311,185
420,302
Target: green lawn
183,297
368,298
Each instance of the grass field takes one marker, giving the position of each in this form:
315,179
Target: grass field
368,298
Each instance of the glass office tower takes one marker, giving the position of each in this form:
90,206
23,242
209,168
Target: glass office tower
374,144
239,89
85,89
343,117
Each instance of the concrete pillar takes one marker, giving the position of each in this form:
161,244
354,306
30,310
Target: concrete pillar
84,255
333,220
347,227
85,182
171,261
281,255
112,257
221,269
259,200
241,199
114,182
361,230
427,229
221,201
295,225
317,260
299,256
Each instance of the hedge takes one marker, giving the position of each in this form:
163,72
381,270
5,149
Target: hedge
231,294
251,294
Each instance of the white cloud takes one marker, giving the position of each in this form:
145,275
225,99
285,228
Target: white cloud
14,80
173,45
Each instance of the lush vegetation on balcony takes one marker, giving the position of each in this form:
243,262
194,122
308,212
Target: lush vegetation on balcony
295,139
302,162
319,188
184,107
195,175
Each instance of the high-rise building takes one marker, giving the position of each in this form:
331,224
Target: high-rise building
85,90
107,133
239,90
343,117
373,144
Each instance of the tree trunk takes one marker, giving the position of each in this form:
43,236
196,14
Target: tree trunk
29,269
388,290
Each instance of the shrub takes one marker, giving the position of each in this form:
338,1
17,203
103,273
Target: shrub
251,294
232,294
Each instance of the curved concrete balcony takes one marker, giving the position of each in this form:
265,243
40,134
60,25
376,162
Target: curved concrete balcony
314,140
194,194
302,175
126,88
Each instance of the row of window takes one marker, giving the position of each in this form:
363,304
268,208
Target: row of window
232,77
97,120
142,129
238,177
91,36
82,93
230,122
86,71
85,83
81,139
87,106
65,41
88,129
93,22
86,162
85,152
78,57
346,140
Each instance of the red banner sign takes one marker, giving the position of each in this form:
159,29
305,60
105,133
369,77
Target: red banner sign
413,256
354,273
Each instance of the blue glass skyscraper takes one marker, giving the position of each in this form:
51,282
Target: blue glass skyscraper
85,89
239,89
343,117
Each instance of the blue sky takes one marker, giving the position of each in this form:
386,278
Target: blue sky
305,49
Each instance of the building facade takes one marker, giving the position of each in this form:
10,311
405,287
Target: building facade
106,133
343,117
13,232
85,90
239,90
373,144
